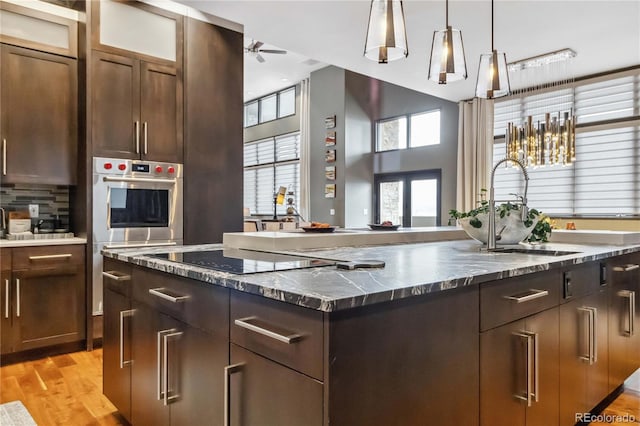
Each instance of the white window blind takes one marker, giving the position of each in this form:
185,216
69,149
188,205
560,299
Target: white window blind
605,178
270,164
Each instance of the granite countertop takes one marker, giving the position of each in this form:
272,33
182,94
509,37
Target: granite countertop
411,269
43,242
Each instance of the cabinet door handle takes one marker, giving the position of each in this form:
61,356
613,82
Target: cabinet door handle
528,295
590,335
52,256
528,361
6,298
144,132
159,361
246,323
228,371
161,292
18,297
536,367
136,131
4,157
626,268
594,337
116,276
165,364
631,295
123,315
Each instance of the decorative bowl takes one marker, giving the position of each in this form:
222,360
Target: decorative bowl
509,229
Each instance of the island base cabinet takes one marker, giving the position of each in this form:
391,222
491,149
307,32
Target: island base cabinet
583,356
624,318
511,365
264,393
116,351
409,362
176,372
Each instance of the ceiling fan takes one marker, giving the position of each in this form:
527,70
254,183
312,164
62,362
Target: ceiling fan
254,49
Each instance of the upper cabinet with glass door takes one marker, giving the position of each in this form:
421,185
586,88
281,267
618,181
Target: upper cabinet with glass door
137,88
134,28
38,30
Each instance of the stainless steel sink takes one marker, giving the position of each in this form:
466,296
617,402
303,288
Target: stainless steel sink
538,252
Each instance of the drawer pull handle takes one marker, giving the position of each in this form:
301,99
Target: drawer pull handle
228,371
246,323
52,256
626,268
116,276
526,296
161,293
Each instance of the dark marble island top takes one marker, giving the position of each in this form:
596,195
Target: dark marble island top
411,269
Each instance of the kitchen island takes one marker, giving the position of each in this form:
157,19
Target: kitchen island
443,334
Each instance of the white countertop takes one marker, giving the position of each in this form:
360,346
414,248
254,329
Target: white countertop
300,240
43,242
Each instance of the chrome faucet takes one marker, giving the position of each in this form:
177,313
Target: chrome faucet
491,237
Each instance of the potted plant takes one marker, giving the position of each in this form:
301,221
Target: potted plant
510,228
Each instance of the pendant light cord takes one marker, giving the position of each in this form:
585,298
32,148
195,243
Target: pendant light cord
492,25
447,13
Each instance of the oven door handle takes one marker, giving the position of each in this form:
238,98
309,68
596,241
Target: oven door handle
136,179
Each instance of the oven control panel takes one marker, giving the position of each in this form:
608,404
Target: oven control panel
133,168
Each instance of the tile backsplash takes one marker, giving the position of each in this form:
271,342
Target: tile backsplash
53,200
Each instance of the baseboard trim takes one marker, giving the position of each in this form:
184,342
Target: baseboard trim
33,354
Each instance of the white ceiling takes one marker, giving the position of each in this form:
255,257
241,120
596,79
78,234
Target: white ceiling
605,34
276,72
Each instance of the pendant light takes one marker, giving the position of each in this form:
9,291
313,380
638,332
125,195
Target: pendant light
493,77
447,61
386,33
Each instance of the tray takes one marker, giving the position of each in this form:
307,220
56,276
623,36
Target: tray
378,227
319,230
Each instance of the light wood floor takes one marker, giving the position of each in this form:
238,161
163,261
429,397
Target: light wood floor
60,390
67,390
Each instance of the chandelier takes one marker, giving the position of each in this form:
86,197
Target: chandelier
551,140
548,143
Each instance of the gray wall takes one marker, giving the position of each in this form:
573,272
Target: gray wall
277,127
360,101
327,98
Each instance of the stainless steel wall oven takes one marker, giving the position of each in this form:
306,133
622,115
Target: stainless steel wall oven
135,203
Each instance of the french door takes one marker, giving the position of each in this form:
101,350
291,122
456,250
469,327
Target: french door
411,199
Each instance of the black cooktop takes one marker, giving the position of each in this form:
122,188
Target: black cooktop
238,261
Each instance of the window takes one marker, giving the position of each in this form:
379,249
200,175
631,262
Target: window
409,199
251,114
267,108
287,102
269,164
604,181
414,130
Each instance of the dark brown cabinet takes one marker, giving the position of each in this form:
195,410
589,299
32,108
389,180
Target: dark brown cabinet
116,339
519,340
264,392
136,109
46,288
39,119
166,344
6,306
583,344
177,372
624,318
519,372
